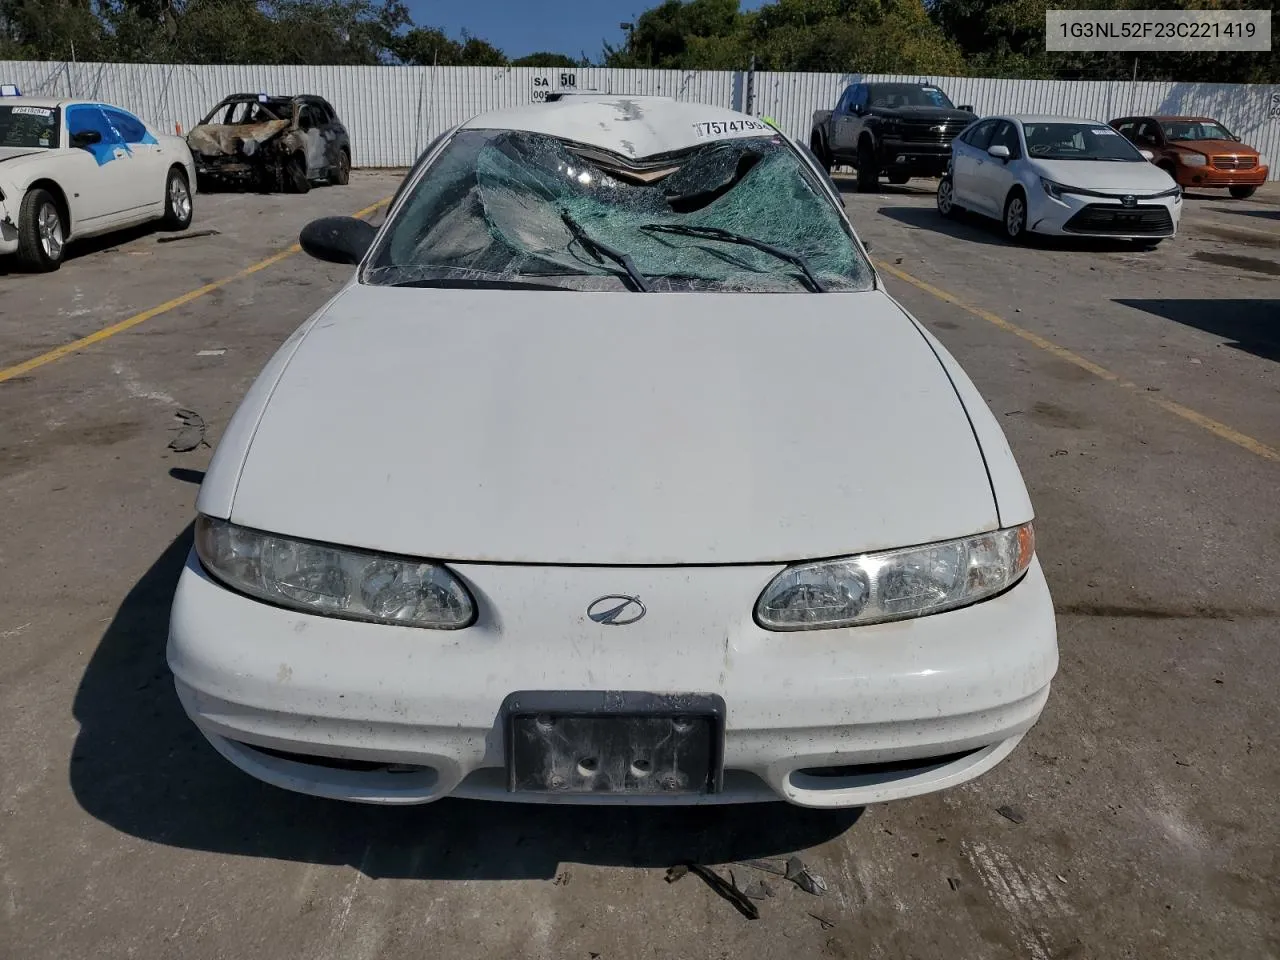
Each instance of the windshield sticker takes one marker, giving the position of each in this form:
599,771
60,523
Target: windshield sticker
31,111
1105,132
44,141
718,128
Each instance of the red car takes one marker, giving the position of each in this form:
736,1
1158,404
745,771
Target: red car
1198,152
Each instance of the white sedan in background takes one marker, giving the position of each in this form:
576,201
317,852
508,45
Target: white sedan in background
76,168
613,475
1061,176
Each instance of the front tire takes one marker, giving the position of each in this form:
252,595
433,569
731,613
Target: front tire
178,205
295,174
341,174
819,149
868,175
41,232
947,199
1015,217
1243,193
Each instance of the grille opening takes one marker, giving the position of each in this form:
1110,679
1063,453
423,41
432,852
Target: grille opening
1144,219
888,769
337,763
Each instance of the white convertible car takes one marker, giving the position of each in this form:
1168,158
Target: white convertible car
1061,176
613,475
75,168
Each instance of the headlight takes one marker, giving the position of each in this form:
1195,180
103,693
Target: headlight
333,581
896,584
1175,191
1193,159
1054,190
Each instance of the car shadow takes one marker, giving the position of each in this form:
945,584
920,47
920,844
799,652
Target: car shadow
979,229
1252,326
91,246
140,766
1242,212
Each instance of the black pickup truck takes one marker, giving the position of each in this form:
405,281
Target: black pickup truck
903,130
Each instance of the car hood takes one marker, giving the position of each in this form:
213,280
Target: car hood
1215,147
13,153
614,428
936,114
212,139
1106,176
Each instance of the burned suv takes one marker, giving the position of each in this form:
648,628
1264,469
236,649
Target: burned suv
274,143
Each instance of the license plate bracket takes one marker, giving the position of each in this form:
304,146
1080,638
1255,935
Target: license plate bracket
614,742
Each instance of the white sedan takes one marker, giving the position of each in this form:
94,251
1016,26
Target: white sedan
575,493
75,168
1061,176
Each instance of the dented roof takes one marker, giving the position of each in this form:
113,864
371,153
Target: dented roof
632,126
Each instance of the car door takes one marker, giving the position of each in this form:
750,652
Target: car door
1146,136
996,177
150,167
844,128
968,157
99,175
311,126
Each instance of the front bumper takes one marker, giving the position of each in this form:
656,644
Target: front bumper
1209,176
8,227
324,706
907,156
1092,216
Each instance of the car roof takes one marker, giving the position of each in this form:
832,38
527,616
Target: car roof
1049,118
1163,117
46,102
632,126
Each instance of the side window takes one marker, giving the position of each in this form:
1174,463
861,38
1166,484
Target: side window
87,117
1125,128
980,136
1145,133
1007,134
130,128
846,101
309,117
860,95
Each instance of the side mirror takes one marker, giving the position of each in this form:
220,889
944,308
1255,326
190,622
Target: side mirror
856,109
337,239
967,108
999,151
85,138
1147,154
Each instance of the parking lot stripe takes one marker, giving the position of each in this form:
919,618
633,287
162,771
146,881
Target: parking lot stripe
57,353
1215,427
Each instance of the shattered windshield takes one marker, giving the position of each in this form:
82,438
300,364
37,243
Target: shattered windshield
23,126
502,207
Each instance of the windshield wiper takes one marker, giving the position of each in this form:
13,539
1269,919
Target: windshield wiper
595,247
715,233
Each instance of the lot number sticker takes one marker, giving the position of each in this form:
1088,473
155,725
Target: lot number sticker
718,128
32,112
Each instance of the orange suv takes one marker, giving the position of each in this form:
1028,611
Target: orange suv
1197,152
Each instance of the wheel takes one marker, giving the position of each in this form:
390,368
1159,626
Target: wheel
295,174
868,175
947,198
899,178
819,150
341,174
178,208
1243,193
1015,217
41,232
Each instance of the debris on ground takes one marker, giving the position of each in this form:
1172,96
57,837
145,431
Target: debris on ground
1061,878
826,924
191,235
562,878
768,866
1012,813
953,883
678,872
726,889
759,890
190,434
804,878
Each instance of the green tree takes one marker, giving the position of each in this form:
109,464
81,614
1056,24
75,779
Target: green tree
544,59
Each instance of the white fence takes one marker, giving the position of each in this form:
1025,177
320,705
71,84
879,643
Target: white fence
393,112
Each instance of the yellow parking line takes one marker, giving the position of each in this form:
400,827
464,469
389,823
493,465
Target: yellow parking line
1218,429
57,353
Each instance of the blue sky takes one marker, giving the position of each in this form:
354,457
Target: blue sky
519,27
